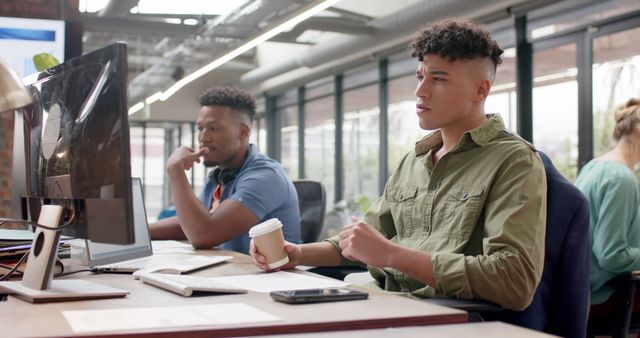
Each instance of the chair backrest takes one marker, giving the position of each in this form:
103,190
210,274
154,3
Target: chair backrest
620,320
313,205
560,305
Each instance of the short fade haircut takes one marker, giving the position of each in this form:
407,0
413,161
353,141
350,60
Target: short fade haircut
234,98
455,40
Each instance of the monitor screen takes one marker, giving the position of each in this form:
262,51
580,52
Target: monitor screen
75,139
27,37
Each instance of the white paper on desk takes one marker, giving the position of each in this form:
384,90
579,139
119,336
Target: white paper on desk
281,280
171,247
163,317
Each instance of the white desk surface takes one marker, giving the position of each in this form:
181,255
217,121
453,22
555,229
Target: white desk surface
466,330
20,318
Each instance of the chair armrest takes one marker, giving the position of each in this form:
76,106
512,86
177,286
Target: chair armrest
466,305
337,272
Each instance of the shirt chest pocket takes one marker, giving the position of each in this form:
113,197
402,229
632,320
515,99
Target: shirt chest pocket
402,204
462,210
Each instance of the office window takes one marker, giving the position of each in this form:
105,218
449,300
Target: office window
546,21
320,88
502,98
259,134
319,145
616,78
404,130
361,146
154,171
259,131
183,130
289,140
136,149
360,76
555,107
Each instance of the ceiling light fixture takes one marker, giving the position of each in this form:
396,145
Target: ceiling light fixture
136,108
247,46
162,96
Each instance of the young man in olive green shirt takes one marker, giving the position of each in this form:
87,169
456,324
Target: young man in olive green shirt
463,216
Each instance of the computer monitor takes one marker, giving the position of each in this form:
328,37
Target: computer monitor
72,150
73,144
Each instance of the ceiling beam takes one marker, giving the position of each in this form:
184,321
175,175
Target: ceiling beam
132,26
326,24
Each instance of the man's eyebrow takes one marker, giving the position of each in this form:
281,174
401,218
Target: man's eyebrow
205,122
433,72
438,72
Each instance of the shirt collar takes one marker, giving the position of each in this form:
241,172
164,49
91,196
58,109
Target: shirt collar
251,153
480,135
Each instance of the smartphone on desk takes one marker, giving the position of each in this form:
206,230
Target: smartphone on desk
317,295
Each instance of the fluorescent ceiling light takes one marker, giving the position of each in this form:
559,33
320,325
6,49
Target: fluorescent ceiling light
190,22
136,107
92,6
247,46
153,98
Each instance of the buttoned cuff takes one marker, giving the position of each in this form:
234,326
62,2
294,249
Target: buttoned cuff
450,273
335,241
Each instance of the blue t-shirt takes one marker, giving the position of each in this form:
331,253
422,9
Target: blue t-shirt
262,186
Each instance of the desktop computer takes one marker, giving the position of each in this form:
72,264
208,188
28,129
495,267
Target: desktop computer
72,166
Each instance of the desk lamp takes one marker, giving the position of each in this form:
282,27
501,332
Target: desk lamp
13,94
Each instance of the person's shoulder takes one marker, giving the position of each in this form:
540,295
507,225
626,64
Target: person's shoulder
509,138
264,168
508,145
607,176
263,162
616,171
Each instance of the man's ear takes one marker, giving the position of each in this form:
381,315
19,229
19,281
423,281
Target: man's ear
245,131
482,90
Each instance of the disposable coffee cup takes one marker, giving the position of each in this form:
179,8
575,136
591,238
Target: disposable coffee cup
268,238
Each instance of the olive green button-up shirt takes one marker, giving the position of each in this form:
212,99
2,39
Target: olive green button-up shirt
480,211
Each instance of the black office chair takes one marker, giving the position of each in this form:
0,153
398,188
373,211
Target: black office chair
622,321
313,205
561,301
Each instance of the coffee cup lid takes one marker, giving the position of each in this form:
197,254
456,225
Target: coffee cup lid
265,227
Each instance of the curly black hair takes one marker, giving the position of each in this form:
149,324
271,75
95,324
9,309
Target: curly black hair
455,40
231,97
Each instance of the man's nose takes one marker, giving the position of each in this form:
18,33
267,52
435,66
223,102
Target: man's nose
422,90
202,136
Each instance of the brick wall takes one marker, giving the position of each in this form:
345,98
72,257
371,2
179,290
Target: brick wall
6,154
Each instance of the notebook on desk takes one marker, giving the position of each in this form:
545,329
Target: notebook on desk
139,255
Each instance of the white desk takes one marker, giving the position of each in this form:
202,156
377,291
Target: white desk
467,330
23,319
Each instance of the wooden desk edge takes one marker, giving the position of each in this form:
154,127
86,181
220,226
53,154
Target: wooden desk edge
197,332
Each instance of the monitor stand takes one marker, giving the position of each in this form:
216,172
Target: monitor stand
38,285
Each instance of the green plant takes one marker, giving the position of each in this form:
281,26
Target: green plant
44,61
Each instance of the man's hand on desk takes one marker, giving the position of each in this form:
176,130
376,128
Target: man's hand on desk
293,250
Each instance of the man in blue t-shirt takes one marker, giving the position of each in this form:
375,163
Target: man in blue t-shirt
244,189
